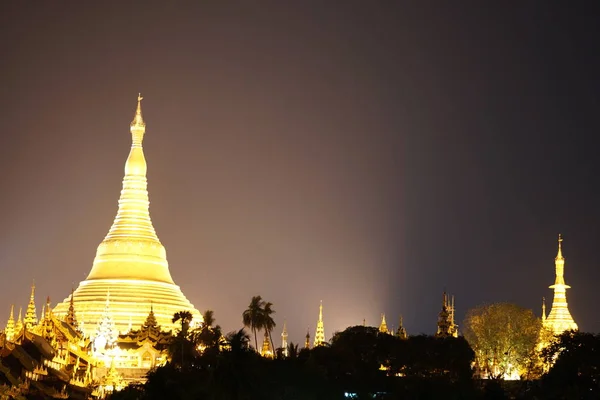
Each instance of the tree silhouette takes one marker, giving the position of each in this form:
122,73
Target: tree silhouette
575,360
181,343
253,317
268,322
208,335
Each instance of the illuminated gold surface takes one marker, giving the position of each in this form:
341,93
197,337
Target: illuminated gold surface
560,319
446,325
31,315
130,262
383,325
320,333
266,350
9,331
284,340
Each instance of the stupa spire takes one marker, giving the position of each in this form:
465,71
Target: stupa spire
151,319
266,347
543,309
307,341
559,319
284,340
138,120
70,318
9,331
383,325
105,331
133,217
320,332
19,323
401,333
130,260
31,319
446,326
48,311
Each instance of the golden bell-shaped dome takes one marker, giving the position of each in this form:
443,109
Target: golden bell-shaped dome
131,262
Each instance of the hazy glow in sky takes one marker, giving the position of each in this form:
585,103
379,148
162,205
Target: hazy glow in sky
366,155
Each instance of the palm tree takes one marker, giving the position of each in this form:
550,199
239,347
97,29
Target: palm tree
238,341
185,317
209,318
253,317
292,351
267,321
207,335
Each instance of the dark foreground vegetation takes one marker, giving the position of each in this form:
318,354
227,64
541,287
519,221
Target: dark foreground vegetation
359,363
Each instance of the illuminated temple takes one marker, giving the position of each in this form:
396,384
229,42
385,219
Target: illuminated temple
117,324
559,319
130,271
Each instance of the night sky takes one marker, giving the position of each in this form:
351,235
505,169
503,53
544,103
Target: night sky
367,154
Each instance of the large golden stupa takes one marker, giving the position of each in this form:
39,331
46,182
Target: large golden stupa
130,273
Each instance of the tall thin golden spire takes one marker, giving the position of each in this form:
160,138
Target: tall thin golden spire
48,311
132,239
559,254
130,260
31,319
320,332
9,331
383,325
543,309
446,325
284,340
19,323
401,333
559,319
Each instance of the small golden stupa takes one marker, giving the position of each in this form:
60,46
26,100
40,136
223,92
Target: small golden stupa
559,319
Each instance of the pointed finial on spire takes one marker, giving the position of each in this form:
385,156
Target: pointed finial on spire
559,254
48,310
30,315
138,126
138,120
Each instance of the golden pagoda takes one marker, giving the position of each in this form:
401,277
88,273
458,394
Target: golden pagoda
446,325
383,325
130,262
320,332
266,350
9,331
559,319
284,340
401,332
